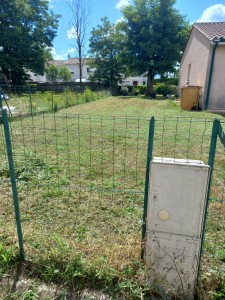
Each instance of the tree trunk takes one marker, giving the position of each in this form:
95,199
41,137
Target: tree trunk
150,78
80,68
114,89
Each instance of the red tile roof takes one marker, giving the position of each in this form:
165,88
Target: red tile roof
212,30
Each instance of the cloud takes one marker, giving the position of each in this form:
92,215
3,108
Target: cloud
53,52
72,50
57,56
120,20
50,4
121,3
71,33
214,13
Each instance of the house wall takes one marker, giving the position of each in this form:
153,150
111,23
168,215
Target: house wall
75,67
195,62
37,78
136,80
217,91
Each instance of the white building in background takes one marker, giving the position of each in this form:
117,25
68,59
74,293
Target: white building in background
73,65
37,78
134,81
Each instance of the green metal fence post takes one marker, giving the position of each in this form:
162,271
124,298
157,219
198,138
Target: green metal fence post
212,152
52,99
67,100
13,182
31,108
147,176
221,135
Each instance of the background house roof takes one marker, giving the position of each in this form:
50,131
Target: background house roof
71,61
212,30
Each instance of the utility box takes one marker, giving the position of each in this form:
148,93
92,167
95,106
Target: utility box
176,207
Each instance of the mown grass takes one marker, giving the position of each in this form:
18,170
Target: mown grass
80,176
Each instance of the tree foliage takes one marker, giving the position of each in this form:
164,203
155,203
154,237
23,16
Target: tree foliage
27,30
155,36
105,46
64,74
52,73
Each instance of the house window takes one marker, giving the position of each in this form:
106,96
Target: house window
88,69
144,82
135,83
71,70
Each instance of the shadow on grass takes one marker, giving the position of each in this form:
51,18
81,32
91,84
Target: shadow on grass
55,277
16,277
144,97
220,115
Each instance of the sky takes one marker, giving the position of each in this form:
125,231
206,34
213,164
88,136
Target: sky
194,10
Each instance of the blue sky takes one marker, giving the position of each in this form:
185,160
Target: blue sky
195,11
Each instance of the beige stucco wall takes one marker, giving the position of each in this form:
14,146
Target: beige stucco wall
37,78
76,75
217,91
195,61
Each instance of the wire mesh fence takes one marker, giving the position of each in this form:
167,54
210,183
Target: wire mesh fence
213,258
81,177
81,181
23,100
192,139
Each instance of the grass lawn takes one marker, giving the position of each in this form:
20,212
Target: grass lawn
136,106
81,174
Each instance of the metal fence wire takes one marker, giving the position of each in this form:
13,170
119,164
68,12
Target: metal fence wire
81,183
33,99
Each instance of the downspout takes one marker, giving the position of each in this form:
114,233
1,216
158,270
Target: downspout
210,74
220,41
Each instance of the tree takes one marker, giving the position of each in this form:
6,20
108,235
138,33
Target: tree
104,46
64,74
27,30
78,29
155,36
52,73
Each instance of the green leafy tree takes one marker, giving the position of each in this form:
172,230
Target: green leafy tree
52,73
156,34
105,48
27,30
64,74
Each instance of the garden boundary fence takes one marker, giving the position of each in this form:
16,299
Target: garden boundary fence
80,182
30,100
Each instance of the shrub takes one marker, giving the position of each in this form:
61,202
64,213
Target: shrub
124,91
136,90
165,89
130,89
88,95
168,81
142,89
174,89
